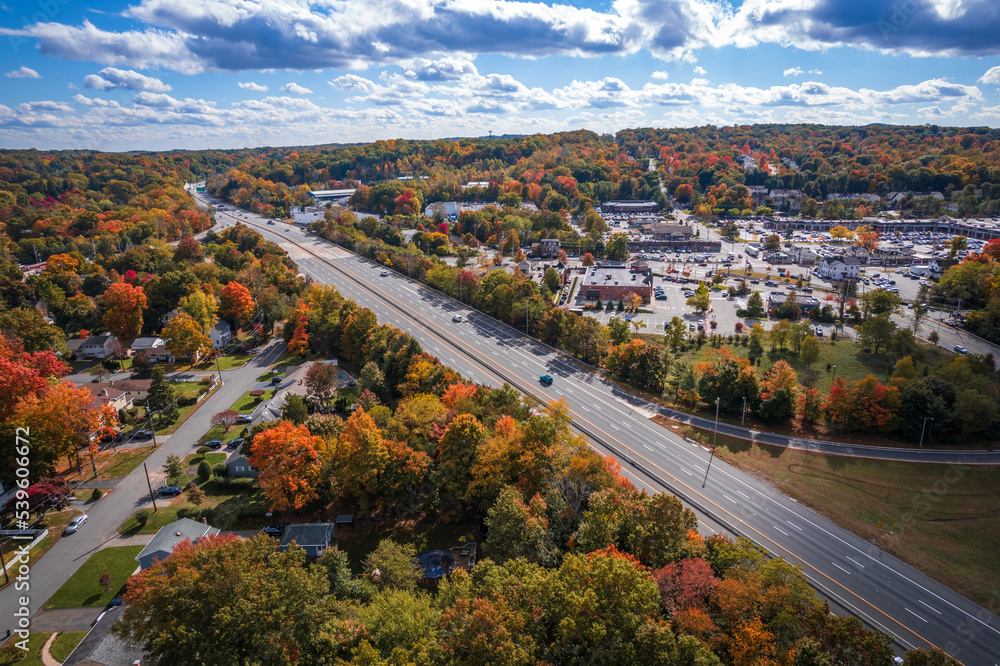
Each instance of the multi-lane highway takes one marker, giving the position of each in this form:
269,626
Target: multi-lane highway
886,593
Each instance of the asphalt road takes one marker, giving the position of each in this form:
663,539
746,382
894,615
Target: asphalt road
131,494
883,591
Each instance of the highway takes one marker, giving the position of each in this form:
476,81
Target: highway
884,592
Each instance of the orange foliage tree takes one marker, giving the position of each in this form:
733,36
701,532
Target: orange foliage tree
123,306
60,422
291,461
236,303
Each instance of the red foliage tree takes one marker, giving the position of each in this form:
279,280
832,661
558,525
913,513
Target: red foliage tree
686,584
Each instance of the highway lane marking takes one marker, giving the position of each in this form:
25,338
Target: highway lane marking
920,601
444,333
841,568
686,472
912,613
744,494
648,447
855,561
729,498
585,409
615,427
795,526
780,530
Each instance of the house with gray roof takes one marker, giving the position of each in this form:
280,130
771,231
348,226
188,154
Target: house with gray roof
314,538
239,467
166,539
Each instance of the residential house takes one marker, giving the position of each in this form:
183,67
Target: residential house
221,334
166,539
442,209
108,395
135,389
239,467
801,255
524,267
758,192
154,348
548,247
839,268
73,346
100,346
314,538
787,199
870,198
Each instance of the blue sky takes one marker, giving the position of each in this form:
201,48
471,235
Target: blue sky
162,74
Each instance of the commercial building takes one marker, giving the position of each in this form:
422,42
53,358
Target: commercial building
805,302
616,282
626,207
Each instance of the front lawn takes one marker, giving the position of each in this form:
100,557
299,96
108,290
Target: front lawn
55,522
84,588
64,644
228,505
247,403
110,464
33,657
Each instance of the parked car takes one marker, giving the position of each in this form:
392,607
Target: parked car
214,444
273,530
244,418
546,380
235,444
170,491
143,434
276,380
76,524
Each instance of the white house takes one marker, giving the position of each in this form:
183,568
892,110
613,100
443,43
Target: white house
153,348
803,256
99,346
444,208
839,268
304,216
221,334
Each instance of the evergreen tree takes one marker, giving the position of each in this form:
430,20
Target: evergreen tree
160,399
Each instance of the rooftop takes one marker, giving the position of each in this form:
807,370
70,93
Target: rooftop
308,534
609,276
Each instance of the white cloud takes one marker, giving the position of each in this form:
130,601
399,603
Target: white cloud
353,82
250,85
450,68
112,77
296,88
992,76
793,71
23,73
660,75
700,71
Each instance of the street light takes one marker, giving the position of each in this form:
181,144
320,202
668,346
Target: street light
926,418
743,421
834,374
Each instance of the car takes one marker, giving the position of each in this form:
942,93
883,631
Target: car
214,444
270,222
661,297
287,229
457,319
76,524
546,380
235,444
819,331
961,350
351,384
170,491
117,601
143,434
276,380
276,531
384,274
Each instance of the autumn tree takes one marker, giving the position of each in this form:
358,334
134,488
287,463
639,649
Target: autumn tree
60,422
235,595
809,351
518,528
456,454
201,306
292,464
185,338
236,305
587,259
122,306
321,380
226,419
701,299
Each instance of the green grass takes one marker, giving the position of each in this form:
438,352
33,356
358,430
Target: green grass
362,539
11,654
247,403
184,389
56,522
112,465
84,588
941,519
288,358
268,375
64,644
191,463
852,363
236,504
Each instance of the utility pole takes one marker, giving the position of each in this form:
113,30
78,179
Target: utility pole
922,428
150,485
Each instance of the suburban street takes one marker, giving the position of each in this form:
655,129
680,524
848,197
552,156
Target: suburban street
886,593
130,494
